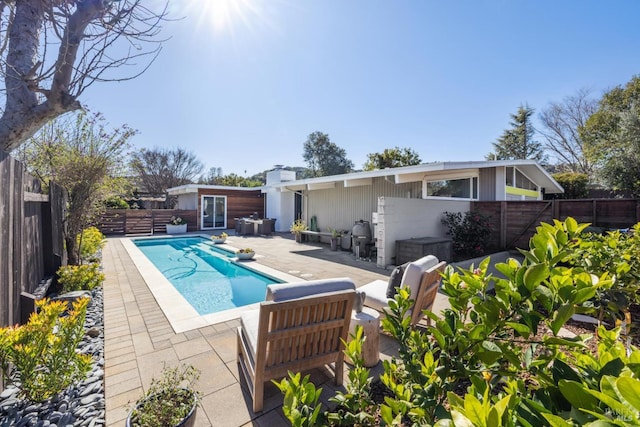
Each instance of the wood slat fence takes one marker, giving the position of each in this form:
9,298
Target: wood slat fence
31,236
143,221
514,222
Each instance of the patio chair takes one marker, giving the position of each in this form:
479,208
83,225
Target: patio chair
266,227
422,277
247,227
298,327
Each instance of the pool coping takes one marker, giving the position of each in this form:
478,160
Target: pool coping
181,315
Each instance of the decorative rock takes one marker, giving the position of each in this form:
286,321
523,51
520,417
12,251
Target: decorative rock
82,404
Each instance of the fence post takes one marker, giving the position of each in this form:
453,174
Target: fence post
503,225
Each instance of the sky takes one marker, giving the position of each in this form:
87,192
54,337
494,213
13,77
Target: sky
242,83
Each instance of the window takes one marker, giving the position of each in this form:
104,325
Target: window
515,178
464,188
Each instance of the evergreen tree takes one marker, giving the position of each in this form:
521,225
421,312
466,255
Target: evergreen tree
325,158
517,143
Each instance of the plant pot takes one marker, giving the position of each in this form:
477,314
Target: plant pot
334,243
218,241
245,255
188,421
176,229
298,237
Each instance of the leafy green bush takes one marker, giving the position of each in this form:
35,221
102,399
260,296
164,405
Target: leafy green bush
90,242
80,277
498,356
43,351
469,233
116,202
574,184
615,253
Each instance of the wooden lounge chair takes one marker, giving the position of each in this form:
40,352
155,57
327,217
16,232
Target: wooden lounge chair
422,277
298,327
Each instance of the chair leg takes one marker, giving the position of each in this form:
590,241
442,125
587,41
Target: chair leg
258,396
339,371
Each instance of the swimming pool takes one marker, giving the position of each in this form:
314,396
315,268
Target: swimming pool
207,276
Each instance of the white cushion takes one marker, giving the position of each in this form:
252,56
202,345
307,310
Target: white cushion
413,273
249,322
288,291
375,294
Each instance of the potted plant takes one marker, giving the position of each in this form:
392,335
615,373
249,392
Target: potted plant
169,401
176,225
335,235
217,239
297,227
246,253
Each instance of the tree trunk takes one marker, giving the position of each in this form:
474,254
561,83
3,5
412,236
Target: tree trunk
72,250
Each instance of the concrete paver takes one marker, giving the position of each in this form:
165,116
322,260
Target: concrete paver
139,339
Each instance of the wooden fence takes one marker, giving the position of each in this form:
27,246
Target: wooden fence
143,221
31,236
514,222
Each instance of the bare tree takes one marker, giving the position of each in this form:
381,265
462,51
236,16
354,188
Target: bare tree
53,50
161,168
561,126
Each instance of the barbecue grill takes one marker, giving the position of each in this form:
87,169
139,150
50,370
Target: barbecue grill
361,238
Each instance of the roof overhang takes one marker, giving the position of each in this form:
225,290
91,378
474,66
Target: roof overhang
194,188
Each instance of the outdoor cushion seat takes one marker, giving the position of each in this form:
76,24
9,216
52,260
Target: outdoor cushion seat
422,277
300,326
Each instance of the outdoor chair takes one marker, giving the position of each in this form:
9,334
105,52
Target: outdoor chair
422,277
246,227
266,227
298,327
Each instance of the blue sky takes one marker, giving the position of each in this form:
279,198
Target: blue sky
441,77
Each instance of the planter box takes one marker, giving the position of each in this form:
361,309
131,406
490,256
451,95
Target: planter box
176,229
218,241
245,255
412,249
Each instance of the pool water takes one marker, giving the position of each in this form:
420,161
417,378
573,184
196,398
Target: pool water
208,277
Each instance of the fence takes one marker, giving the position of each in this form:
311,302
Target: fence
514,222
143,221
31,236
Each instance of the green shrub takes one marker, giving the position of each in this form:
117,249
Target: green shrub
43,351
497,355
116,202
469,233
80,277
90,242
574,184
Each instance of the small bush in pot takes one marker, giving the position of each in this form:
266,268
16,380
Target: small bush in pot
170,400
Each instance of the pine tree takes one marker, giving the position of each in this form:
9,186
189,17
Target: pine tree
517,143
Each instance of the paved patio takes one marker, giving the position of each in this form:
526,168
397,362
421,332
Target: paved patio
139,339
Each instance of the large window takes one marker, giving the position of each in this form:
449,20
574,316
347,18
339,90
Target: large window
464,188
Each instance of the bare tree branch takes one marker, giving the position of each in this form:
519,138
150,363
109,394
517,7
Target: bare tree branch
51,51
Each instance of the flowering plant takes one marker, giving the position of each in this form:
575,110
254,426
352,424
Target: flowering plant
176,220
222,235
245,251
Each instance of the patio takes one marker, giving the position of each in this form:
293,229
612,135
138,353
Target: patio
139,338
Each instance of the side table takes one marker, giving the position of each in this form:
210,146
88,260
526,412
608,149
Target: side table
369,319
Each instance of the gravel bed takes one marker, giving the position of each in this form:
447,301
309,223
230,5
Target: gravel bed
79,405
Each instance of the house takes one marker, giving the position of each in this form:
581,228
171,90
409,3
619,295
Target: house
405,202
397,204
219,205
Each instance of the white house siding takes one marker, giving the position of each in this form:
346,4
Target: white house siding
340,207
400,219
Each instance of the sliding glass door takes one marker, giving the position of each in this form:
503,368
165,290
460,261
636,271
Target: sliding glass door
214,212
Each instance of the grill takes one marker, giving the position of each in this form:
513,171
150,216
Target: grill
361,238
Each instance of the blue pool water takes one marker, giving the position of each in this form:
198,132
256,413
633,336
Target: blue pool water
207,276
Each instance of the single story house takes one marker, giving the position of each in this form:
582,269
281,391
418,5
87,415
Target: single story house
398,203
